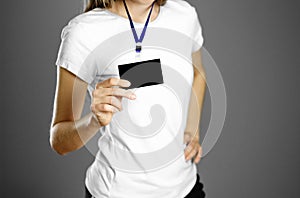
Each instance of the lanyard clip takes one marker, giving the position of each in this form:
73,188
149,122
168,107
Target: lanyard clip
138,47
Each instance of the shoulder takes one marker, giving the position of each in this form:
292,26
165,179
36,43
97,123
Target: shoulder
181,8
180,5
79,24
183,3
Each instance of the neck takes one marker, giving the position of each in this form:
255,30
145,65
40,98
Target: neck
138,10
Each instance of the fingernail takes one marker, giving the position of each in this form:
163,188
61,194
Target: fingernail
133,96
128,83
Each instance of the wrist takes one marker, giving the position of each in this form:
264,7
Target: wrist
93,122
194,134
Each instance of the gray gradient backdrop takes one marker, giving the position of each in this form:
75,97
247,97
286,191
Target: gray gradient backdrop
256,46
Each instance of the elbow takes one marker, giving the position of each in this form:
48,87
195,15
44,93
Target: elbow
57,147
56,144
58,150
61,141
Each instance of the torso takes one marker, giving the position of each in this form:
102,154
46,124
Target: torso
169,28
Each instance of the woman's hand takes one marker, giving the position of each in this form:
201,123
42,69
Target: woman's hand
107,99
193,148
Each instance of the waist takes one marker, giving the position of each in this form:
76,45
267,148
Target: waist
174,180
128,156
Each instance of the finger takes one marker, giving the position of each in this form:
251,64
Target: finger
189,148
199,155
192,154
113,82
114,91
112,100
102,116
100,107
119,98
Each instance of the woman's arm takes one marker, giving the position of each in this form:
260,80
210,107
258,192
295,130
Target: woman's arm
192,134
69,131
65,135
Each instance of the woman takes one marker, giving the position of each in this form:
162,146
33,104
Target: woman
71,131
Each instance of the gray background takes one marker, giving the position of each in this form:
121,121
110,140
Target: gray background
256,46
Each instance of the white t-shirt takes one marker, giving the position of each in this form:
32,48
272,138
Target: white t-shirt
141,152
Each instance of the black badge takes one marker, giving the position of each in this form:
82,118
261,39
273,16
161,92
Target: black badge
141,74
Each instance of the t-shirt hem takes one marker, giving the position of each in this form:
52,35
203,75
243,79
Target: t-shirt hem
198,42
196,49
189,188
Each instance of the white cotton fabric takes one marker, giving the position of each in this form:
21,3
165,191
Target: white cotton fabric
80,39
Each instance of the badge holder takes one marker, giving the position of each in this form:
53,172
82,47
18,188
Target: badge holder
142,73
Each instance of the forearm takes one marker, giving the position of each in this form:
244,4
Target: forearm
68,136
196,104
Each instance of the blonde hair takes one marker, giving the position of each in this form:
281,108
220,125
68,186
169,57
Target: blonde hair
108,3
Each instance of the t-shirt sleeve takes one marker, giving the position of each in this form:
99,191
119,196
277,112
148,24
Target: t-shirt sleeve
197,32
73,52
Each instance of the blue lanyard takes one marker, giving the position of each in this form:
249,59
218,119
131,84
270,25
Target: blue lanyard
138,41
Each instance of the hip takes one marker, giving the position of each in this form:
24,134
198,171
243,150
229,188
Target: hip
196,192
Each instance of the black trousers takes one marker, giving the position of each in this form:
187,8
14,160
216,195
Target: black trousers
196,192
